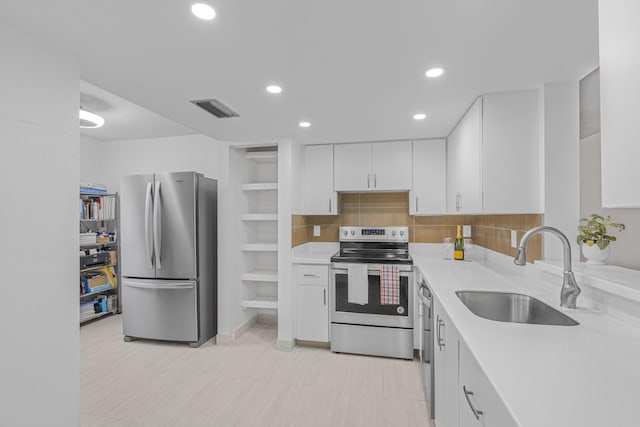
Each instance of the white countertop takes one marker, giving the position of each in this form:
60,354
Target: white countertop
314,253
585,375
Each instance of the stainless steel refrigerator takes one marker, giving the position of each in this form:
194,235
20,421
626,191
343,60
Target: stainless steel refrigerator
169,256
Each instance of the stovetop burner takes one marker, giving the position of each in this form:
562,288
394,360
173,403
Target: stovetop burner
374,245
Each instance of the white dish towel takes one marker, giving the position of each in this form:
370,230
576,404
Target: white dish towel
358,284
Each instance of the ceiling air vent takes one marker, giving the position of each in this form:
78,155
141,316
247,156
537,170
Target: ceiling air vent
216,108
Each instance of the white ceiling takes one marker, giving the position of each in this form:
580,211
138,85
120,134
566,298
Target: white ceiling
124,119
354,69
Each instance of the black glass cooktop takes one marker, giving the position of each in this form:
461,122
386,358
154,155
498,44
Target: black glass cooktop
373,257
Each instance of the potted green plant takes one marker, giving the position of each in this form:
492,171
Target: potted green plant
593,238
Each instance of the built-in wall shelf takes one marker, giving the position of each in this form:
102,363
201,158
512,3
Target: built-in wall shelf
260,276
262,156
260,302
260,247
254,171
260,217
260,186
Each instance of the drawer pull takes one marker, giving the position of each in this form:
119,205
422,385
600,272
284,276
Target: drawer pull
311,275
324,295
476,412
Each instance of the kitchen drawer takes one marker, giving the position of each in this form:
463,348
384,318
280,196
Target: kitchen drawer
312,275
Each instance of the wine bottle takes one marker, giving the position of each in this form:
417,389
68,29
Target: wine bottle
458,246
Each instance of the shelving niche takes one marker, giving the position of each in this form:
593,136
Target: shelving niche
99,291
256,170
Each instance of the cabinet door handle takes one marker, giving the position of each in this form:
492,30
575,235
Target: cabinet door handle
368,180
458,197
441,342
438,332
311,275
329,204
476,412
417,205
375,180
324,296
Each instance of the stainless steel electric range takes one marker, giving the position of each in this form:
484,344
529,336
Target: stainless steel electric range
375,327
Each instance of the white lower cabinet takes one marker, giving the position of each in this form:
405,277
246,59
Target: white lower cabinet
445,353
479,403
312,302
464,395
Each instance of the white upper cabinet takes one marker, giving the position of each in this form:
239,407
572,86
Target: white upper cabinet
511,152
493,156
319,196
429,178
619,102
352,167
464,150
391,166
381,166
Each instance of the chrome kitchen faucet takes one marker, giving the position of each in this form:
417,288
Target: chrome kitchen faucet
570,289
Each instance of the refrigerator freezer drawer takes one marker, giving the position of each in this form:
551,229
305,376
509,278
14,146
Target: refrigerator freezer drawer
160,309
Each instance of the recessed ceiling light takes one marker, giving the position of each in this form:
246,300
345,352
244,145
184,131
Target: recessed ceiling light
274,89
434,72
419,116
89,120
304,124
203,11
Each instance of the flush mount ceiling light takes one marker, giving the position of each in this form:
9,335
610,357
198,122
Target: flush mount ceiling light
434,72
203,11
274,89
89,120
419,116
304,124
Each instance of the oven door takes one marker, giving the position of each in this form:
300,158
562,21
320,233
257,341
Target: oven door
374,313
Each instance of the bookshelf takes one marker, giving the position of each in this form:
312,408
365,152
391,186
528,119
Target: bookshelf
99,250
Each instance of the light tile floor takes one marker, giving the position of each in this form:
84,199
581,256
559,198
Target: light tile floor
145,383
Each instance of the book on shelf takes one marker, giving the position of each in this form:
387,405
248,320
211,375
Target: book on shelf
97,207
93,188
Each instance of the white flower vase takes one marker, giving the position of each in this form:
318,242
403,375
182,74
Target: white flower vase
595,255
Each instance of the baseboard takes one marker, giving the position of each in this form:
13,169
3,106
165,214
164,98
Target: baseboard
285,345
237,333
318,344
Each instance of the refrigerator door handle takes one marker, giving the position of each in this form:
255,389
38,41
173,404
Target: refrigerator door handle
147,225
157,226
141,285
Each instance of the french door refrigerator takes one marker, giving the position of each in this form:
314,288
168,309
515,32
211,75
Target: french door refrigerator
169,256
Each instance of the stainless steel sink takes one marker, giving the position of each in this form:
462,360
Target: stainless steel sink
515,308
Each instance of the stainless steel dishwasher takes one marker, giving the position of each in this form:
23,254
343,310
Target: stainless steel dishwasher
426,349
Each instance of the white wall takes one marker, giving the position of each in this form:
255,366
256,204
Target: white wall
624,251
297,174
39,89
91,167
286,195
108,160
561,165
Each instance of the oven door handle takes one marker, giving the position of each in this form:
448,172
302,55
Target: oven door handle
371,271
426,299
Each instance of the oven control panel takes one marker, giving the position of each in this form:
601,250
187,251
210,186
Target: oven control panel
374,234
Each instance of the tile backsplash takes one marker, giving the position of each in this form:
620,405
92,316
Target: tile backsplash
392,209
